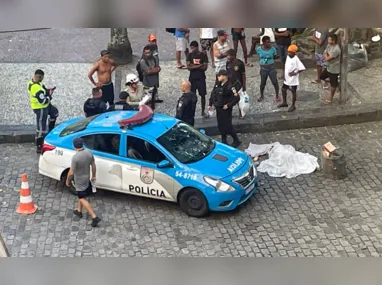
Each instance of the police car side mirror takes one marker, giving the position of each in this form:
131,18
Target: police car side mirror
164,164
202,131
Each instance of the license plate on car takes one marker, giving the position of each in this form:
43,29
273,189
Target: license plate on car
249,189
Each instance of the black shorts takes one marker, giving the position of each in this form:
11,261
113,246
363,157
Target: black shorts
333,78
207,44
199,85
86,193
291,88
108,93
237,36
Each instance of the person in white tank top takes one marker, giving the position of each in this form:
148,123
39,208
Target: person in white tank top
207,39
220,51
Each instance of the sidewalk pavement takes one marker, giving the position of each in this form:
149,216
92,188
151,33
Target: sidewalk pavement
73,88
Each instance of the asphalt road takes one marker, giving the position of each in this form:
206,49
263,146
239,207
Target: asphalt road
79,45
305,216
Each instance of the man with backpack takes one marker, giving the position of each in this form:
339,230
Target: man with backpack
95,105
148,69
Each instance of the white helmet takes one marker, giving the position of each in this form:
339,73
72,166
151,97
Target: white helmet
131,78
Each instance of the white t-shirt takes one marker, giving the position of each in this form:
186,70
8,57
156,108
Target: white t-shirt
292,64
267,32
207,33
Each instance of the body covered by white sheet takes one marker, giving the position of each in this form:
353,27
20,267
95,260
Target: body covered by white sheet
284,160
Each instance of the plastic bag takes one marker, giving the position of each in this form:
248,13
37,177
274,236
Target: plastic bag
244,102
145,99
358,57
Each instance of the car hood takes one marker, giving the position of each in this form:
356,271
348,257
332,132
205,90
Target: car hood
222,162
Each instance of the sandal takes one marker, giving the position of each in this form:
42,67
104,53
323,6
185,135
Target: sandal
315,81
181,66
249,64
327,102
261,99
277,100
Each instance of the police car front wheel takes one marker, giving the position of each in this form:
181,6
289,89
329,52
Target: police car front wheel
193,203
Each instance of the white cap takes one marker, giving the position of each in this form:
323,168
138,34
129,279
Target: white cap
131,78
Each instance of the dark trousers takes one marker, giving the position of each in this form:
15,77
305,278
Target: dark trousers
225,126
41,120
108,93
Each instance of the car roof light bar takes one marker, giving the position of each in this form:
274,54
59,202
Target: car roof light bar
144,114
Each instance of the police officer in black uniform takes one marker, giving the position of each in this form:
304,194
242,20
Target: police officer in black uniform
122,104
223,98
95,105
186,106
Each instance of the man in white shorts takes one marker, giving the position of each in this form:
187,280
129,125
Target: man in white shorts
181,40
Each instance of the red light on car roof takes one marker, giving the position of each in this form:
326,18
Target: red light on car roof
144,114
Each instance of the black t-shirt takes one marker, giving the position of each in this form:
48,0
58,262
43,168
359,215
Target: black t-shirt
283,41
197,58
235,70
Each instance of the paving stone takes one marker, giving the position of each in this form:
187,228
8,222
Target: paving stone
305,216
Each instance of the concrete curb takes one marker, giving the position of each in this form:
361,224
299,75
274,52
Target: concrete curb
3,249
269,122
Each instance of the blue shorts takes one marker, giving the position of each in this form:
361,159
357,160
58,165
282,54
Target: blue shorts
320,61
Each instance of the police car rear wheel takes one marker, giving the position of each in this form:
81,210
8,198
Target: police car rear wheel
72,190
193,203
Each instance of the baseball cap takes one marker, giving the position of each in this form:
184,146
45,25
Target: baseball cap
78,143
104,52
293,48
223,72
123,95
222,33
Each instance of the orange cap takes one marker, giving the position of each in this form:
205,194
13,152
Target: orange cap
152,37
293,48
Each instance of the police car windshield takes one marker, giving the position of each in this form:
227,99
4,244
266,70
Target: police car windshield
77,126
186,144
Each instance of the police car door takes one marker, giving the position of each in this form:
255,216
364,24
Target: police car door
140,172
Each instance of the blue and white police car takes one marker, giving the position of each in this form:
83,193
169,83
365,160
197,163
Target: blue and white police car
154,156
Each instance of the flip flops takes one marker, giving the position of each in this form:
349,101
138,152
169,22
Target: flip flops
181,66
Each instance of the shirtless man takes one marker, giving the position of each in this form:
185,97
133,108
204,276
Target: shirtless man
104,68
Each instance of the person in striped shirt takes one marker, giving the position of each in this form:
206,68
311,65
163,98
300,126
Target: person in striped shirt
221,46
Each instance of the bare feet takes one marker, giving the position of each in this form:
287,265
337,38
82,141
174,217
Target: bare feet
292,108
282,105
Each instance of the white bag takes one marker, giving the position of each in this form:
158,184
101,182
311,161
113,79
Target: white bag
244,102
145,99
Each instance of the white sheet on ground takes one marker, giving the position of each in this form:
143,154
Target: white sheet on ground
284,160
258,149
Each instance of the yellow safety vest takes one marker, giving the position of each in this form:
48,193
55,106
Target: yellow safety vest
33,89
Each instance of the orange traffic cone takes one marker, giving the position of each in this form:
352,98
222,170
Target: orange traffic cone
26,203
